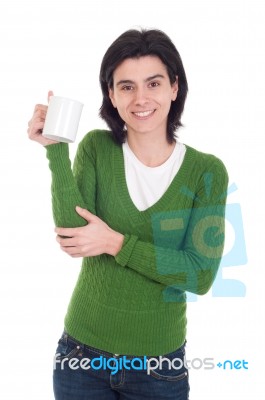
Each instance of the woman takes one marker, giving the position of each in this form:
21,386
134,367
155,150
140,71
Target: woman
146,214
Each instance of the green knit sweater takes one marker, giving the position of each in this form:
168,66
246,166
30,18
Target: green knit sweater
135,303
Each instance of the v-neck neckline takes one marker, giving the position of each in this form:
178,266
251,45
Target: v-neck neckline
161,204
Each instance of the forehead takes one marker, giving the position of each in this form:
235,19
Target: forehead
142,67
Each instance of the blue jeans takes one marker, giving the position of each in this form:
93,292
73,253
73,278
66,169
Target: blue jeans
82,372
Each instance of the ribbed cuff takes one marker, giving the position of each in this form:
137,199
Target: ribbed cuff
56,150
124,254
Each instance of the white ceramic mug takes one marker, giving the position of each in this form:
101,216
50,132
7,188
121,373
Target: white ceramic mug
62,119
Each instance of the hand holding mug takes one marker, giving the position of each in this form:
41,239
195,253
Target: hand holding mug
36,124
57,122
62,119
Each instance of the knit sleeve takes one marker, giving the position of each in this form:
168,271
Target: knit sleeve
193,267
71,187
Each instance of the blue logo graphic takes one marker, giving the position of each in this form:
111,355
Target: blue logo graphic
203,228
229,364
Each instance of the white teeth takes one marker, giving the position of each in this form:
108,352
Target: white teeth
144,113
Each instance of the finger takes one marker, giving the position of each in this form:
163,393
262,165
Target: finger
86,214
35,131
36,121
65,241
39,107
38,116
50,94
40,112
71,251
67,232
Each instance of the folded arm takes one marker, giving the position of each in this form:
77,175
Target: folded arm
194,266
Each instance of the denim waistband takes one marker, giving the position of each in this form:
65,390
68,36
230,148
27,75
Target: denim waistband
66,337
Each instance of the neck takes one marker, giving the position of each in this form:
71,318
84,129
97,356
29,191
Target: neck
151,150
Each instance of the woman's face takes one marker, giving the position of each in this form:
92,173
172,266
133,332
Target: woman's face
142,94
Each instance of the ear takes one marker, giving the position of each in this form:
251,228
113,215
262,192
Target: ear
175,88
111,96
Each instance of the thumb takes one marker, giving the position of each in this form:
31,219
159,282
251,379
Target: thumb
85,214
50,94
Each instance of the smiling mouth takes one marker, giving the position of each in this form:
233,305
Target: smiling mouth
143,114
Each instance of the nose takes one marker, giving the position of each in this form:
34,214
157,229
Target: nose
141,96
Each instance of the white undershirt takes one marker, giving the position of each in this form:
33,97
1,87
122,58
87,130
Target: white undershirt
146,185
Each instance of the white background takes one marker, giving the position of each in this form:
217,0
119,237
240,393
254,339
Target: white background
59,45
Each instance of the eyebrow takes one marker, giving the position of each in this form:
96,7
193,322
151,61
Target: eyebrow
150,78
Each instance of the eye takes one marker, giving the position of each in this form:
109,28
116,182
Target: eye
127,88
154,84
